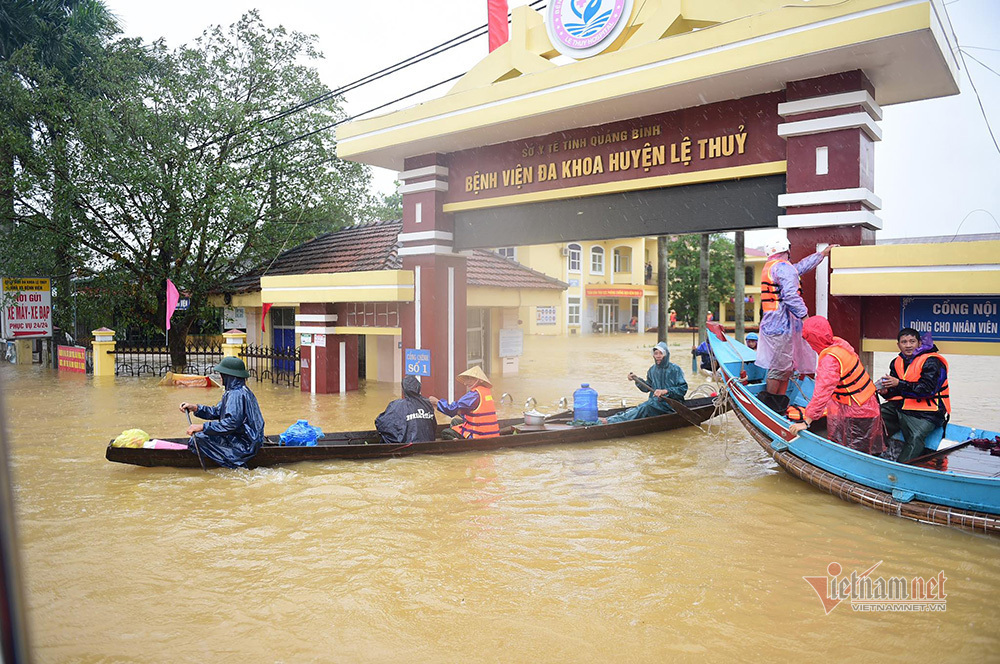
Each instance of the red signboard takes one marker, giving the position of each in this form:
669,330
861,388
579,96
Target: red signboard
727,134
613,291
72,359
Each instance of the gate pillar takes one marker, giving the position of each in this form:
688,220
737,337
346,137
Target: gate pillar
435,320
332,358
831,126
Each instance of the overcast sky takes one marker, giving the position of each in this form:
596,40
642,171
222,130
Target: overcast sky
937,169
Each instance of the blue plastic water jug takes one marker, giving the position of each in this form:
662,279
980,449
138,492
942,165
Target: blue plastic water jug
585,404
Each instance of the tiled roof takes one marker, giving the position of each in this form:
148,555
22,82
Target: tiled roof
375,247
356,249
486,268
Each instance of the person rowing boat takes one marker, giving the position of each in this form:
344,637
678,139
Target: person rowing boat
664,379
236,430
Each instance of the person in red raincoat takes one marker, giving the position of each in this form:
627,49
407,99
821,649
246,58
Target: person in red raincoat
844,389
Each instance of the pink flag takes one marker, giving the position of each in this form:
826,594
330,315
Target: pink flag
173,297
497,22
263,317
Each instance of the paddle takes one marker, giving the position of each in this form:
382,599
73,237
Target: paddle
680,408
195,441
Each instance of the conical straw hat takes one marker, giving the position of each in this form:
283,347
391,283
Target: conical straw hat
475,373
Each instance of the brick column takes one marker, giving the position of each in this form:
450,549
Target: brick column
830,127
331,358
435,320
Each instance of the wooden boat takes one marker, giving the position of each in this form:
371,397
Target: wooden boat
187,380
369,445
961,487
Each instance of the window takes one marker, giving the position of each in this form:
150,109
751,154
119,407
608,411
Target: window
573,311
597,260
623,260
574,258
635,307
749,276
508,252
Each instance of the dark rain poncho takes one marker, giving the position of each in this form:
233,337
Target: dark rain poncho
662,376
236,431
410,419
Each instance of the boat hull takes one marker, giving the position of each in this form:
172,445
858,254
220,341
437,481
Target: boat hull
368,445
947,498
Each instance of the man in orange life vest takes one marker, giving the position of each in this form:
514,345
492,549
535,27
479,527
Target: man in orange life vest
475,406
916,390
844,389
781,349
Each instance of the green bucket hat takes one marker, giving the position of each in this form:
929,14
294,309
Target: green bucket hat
232,366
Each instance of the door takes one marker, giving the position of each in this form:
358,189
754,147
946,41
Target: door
607,315
283,333
477,338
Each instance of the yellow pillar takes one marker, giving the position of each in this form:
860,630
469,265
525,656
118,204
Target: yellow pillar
104,351
23,351
235,341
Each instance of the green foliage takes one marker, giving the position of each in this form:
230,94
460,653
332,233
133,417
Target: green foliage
164,158
685,273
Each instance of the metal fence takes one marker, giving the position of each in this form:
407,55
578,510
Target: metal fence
278,365
139,359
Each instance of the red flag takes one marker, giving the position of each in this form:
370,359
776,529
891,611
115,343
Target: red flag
263,317
173,297
497,22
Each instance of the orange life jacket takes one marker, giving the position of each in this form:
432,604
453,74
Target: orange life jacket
770,291
912,375
798,413
854,386
481,421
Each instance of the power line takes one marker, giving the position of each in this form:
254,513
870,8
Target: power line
979,99
348,119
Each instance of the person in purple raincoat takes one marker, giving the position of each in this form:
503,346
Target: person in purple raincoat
781,349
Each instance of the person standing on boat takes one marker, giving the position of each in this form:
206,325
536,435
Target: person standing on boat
410,419
476,407
844,389
666,379
916,389
236,430
781,349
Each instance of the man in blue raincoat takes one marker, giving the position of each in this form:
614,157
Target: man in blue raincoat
236,429
666,379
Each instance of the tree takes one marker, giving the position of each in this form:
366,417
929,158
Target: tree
182,165
685,270
43,44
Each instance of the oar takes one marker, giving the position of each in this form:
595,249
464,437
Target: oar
195,441
933,455
680,408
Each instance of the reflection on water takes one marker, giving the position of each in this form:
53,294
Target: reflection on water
637,549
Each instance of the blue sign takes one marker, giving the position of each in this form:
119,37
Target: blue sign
183,304
417,362
953,318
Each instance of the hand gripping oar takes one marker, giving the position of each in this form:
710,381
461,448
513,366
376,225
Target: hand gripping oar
195,441
678,407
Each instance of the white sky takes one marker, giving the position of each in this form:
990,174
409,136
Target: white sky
935,167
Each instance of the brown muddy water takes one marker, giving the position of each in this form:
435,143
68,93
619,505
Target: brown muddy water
673,546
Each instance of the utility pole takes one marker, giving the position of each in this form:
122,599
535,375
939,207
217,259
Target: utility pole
703,288
739,304
662,292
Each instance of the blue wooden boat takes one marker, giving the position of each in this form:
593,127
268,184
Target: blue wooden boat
955,483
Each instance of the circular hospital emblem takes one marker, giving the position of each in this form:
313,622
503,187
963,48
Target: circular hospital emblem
582,28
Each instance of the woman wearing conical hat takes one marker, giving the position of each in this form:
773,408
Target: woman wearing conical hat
476,407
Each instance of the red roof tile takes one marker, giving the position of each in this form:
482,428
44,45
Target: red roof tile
375,247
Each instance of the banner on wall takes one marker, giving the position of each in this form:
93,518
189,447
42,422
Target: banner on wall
953,318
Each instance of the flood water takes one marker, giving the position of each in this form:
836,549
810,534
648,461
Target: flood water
681,545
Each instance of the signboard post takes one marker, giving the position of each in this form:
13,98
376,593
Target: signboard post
27,310
511,348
